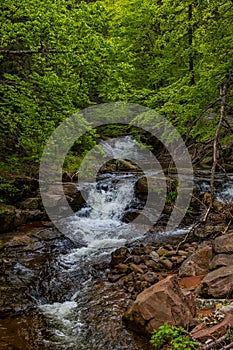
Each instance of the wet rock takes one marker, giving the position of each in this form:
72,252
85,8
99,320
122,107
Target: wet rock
47,235
24,243
141,186
138,251
217,283
31,203
74,196
221,260
163,302
112,277
224,244
119,256
197,263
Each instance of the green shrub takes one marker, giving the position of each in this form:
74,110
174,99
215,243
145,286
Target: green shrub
177,337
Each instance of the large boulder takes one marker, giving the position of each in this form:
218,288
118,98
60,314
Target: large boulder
224,244
74,196
217,283
163,302
198,263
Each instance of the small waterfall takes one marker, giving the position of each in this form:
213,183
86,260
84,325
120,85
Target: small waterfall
99,227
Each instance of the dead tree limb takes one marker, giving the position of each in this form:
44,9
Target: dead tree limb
223,94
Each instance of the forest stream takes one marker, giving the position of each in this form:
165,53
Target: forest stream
55,293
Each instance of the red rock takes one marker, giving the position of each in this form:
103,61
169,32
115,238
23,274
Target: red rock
163,302
221,260
198,263
190,283
224,244
218,283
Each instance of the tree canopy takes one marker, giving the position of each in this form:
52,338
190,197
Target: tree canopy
58,57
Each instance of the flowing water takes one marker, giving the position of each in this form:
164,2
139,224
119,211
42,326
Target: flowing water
75,307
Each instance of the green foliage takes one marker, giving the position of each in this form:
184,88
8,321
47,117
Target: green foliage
177,337
180,53
58,57
172,192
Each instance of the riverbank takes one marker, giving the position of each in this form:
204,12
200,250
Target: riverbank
187,283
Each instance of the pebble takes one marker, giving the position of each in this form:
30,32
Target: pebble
154,256
162,251
152,264
182,253
123,268
138,251
167,263
151,277
148,249
136,268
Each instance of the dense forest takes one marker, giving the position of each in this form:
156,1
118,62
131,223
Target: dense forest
58,57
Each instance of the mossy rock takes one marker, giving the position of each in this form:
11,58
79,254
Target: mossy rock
7,217
14,189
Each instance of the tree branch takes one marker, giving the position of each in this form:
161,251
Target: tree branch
222,93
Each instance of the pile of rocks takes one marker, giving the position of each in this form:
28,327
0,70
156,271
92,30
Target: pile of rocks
144,266
168,283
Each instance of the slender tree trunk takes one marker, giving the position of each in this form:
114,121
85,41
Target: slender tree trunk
190,42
